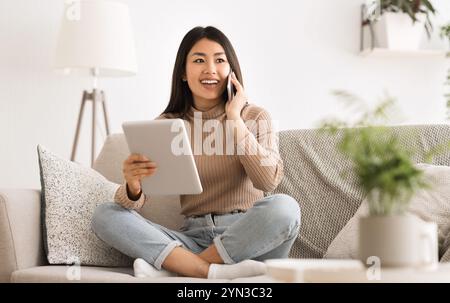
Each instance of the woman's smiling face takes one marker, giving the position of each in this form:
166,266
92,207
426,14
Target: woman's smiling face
207,69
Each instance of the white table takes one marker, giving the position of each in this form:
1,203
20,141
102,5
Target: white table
351,271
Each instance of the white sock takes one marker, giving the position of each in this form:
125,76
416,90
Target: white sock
247,268
142,270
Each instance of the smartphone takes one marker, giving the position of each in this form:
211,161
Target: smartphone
230,88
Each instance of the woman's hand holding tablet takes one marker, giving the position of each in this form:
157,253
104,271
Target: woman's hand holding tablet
135,168
164,143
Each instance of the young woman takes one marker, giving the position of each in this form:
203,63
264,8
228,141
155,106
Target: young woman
230,227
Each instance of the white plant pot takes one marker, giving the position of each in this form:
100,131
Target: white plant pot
396,31
398,241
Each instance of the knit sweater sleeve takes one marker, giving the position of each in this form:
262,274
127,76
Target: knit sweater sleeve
121,197
258,153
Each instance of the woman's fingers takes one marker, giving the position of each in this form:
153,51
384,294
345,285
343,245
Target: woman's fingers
144,165
137,165
142,171
136,158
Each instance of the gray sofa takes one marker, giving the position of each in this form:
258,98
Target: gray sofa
312,176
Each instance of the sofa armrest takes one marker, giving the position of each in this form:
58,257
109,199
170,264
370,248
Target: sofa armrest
20,231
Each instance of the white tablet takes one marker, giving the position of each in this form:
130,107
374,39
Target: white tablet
165,142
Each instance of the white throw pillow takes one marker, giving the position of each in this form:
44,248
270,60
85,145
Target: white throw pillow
431,205
70,193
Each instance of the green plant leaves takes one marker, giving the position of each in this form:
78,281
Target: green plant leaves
384,166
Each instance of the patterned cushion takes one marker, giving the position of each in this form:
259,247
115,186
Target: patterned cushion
312,175
446,256
70,193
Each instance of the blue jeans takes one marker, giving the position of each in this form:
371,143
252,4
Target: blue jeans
265,231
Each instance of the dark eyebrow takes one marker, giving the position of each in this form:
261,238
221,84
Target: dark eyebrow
204,55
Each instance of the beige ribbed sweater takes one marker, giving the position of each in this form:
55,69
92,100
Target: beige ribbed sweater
230,181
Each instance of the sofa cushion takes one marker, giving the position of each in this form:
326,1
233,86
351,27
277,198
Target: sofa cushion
313,176
431,205
70,193
20,232
110,158
91,274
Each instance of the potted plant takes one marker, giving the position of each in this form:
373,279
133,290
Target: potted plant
399,24
386,173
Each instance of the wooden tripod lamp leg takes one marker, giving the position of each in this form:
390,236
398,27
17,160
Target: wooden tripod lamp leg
105,113
94,114
77,132
95,97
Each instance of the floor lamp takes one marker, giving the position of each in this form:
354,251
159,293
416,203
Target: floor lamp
95,40
95,97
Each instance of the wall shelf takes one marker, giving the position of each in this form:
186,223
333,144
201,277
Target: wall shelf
370,46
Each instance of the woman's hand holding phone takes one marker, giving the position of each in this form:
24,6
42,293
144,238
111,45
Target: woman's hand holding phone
234,106
135,168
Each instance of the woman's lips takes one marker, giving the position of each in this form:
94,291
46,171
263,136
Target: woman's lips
210,86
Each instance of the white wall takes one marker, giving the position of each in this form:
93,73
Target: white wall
292,54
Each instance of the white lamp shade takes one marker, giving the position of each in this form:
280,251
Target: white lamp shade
96,34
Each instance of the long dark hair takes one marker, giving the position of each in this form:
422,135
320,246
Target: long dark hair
181,96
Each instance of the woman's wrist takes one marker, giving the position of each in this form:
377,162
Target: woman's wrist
133,194
240,130
234,117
